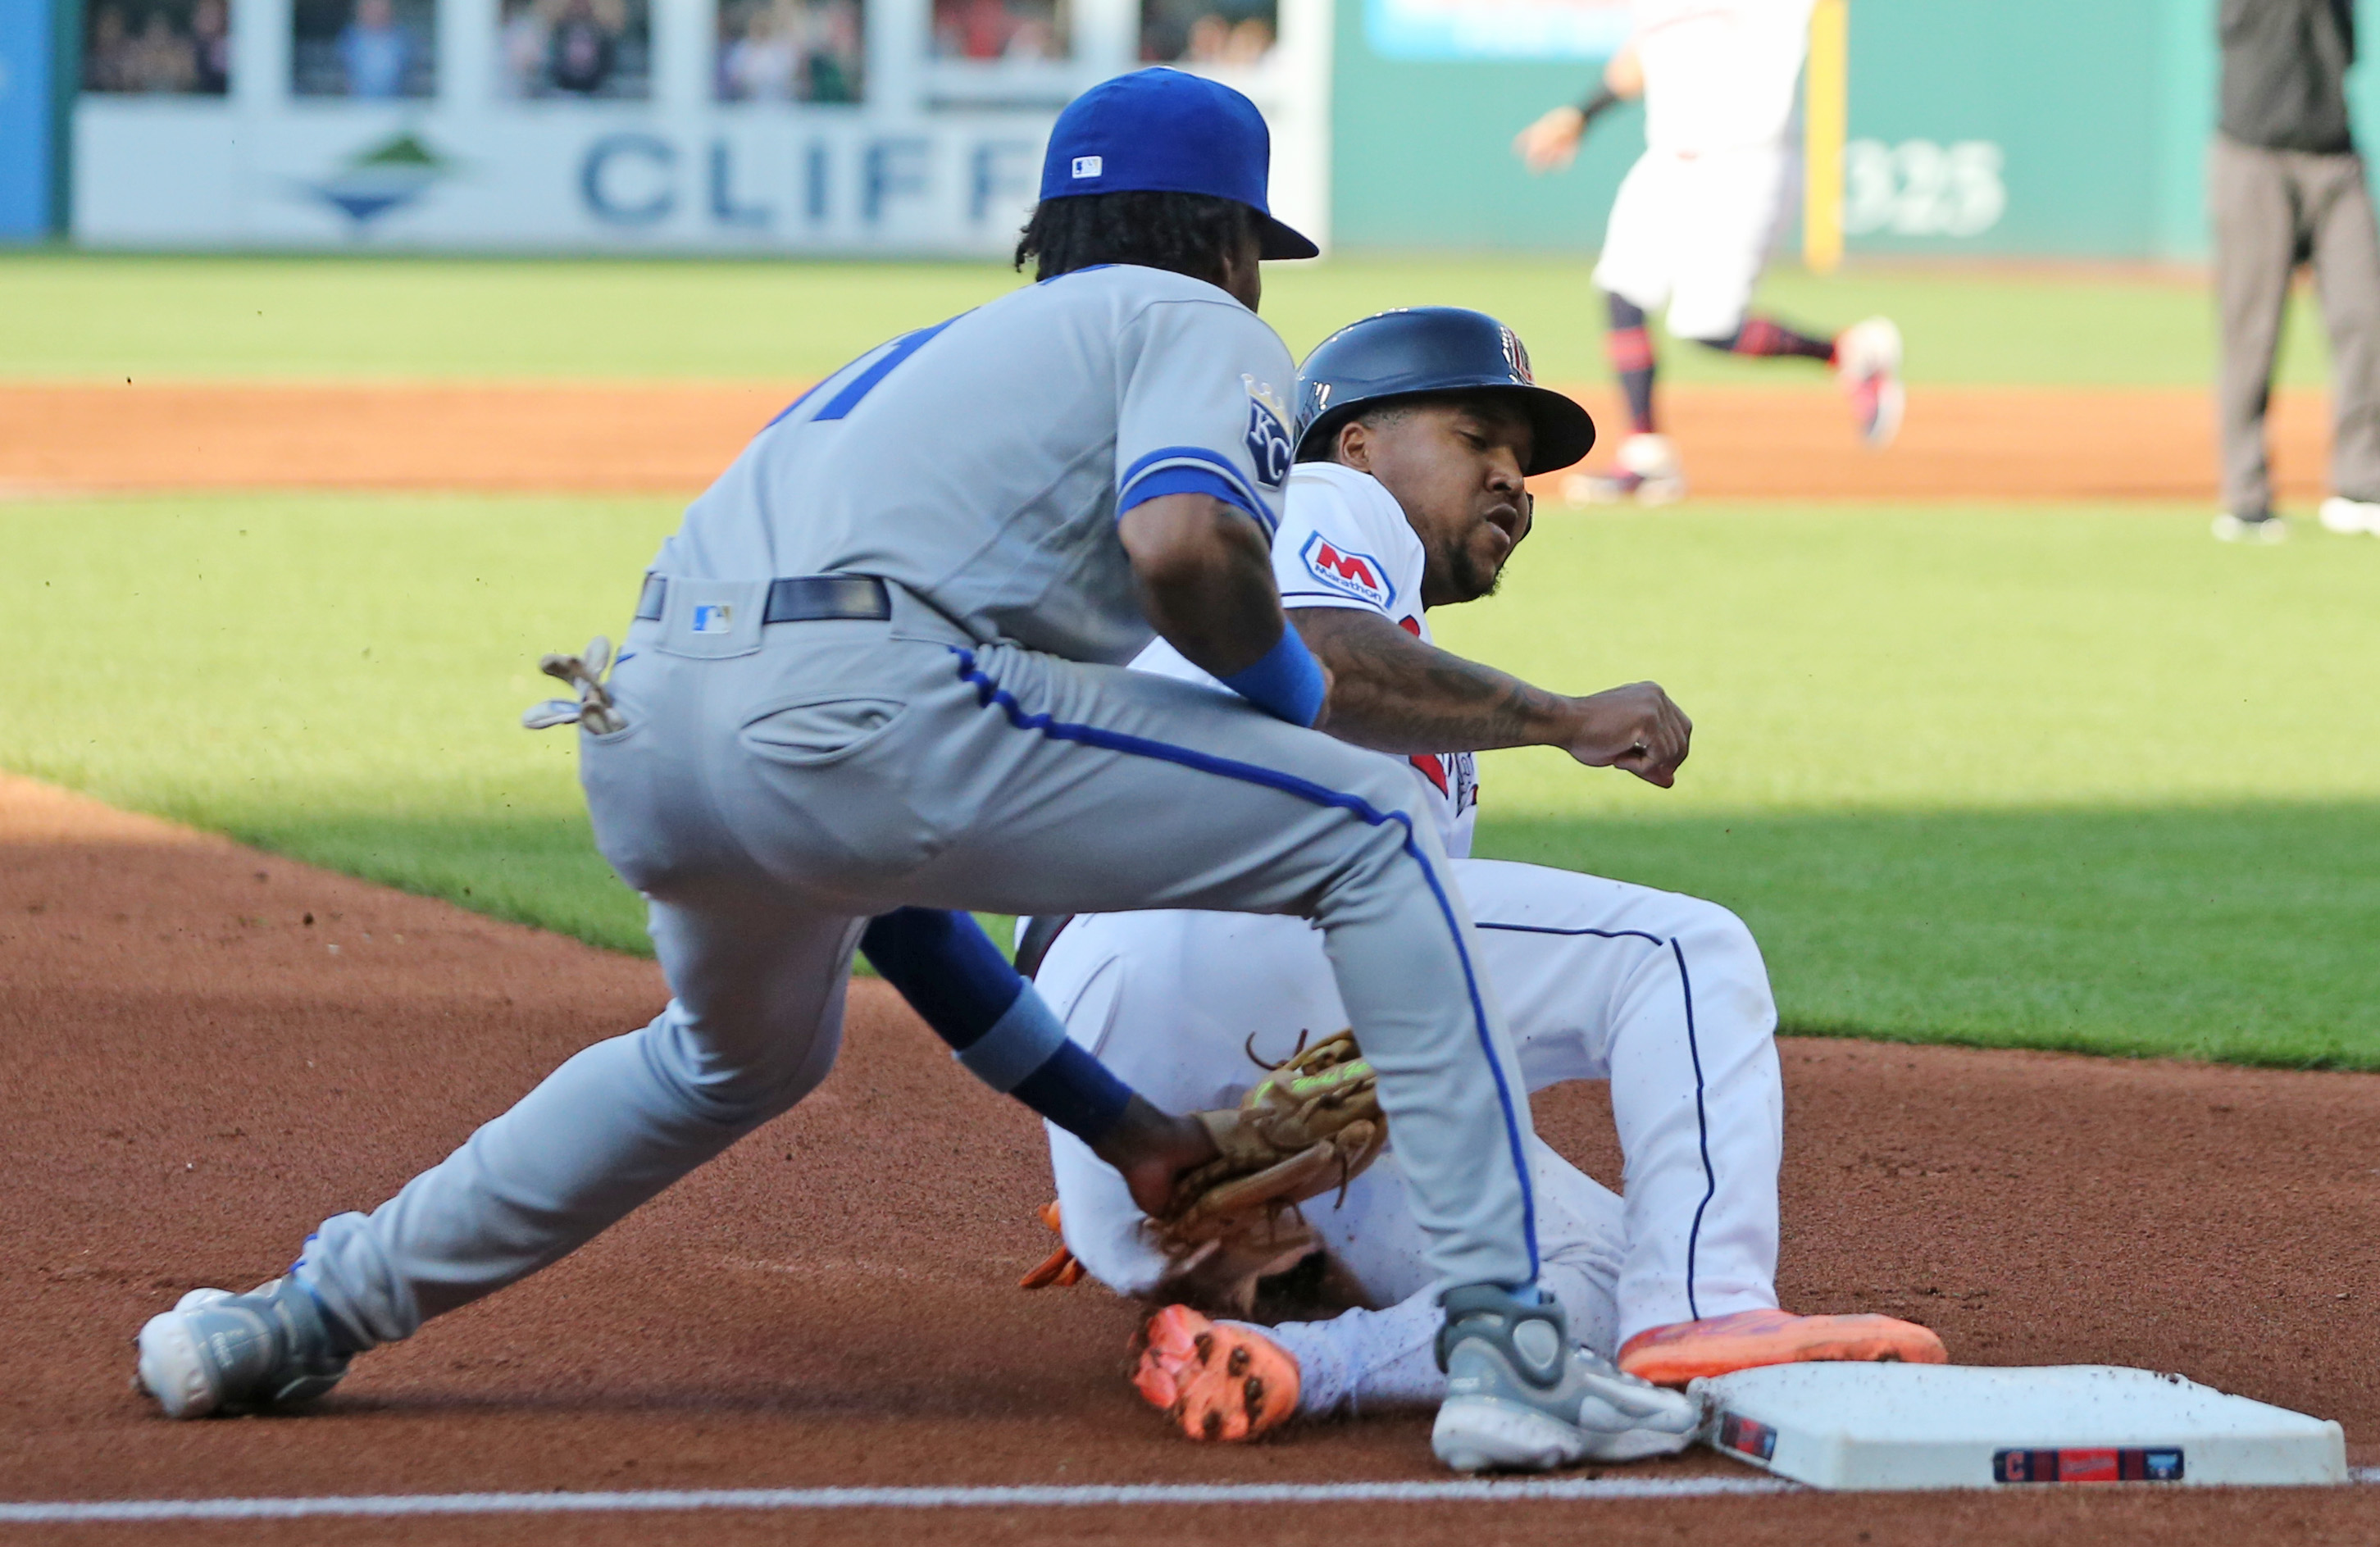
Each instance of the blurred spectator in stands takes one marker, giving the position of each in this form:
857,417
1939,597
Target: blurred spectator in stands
790,50
765,64
998,30
581,53
211,47
522,44
972,29
2286,187
1231,34
104,50
834,55
160,59
375,52
160,45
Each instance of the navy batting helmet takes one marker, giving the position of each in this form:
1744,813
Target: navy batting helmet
1428,351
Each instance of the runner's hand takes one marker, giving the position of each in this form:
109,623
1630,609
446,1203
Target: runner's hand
1636,728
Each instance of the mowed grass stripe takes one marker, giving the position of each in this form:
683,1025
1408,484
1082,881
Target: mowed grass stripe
206,317
2076,778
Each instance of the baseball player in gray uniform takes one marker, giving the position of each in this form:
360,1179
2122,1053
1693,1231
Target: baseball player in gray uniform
879,674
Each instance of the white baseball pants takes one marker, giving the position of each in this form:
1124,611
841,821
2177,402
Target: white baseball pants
1664,995
1692,232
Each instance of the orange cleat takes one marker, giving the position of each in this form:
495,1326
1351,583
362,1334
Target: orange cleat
1062,1268
1674,1355
1217,1381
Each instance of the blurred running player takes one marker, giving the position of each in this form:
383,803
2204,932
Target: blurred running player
1697,214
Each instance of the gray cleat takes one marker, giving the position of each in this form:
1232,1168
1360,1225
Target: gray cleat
217,1352
1521,1396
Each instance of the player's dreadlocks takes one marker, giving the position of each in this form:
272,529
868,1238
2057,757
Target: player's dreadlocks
1186,233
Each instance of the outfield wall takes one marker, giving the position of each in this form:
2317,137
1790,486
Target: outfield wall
905,126
2047,128
2054,128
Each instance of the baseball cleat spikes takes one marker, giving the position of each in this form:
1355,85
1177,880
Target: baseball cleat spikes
1214,1379
1683,1351
217,1352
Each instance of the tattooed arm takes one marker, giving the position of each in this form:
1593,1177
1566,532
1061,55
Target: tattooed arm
1393,693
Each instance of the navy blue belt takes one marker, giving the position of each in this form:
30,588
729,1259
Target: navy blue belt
795,599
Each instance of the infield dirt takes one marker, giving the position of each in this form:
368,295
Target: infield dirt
1971,442
211,1048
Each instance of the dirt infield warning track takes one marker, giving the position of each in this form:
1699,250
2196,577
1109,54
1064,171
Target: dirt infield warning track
1975,442
197,1074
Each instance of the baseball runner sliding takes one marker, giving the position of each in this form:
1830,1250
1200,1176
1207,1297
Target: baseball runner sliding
1414,432
878,675
1697,214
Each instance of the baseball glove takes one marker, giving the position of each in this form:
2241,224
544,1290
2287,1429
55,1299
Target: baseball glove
1308,1127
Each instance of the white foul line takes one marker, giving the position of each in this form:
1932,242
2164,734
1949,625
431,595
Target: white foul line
1079,1495
1044,1497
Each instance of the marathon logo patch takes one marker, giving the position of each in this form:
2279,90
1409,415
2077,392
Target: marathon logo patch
1268,444
1356,575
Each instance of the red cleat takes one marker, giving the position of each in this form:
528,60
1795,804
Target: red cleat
1217,1381
1674,1355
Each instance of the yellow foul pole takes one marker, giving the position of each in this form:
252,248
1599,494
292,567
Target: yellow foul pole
1826,114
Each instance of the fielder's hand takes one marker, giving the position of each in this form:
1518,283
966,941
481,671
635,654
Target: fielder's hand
1636,728
1552,143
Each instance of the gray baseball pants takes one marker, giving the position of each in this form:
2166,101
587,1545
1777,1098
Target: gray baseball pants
777,787
2274,210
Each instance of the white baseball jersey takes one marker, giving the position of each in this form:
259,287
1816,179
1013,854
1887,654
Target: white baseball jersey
1085,394
1719,74
1344,542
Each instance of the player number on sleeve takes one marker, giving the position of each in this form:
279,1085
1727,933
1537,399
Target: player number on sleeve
1920,188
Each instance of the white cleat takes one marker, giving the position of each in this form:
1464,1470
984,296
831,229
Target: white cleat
1867,364
2266,527
1521,1396
2349,518
1645,471
218,1352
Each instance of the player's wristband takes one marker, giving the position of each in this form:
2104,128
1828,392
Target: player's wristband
1287,683
1599,101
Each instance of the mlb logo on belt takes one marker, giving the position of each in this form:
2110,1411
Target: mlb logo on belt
1358,574
714,618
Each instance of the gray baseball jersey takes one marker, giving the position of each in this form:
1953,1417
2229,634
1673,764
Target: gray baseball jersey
775,786
981,463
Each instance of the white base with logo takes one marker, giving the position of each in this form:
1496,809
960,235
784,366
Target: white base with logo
1907,1425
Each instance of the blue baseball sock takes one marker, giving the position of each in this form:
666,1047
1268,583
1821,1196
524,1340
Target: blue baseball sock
1004,1031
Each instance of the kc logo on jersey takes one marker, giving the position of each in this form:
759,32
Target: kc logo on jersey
1358,574
1268,443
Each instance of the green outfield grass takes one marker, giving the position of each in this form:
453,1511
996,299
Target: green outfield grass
105,318
2068,778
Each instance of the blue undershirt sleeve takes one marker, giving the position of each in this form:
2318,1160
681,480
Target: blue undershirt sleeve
997,1025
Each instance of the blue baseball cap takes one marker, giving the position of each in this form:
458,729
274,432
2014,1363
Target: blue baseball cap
1167,131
